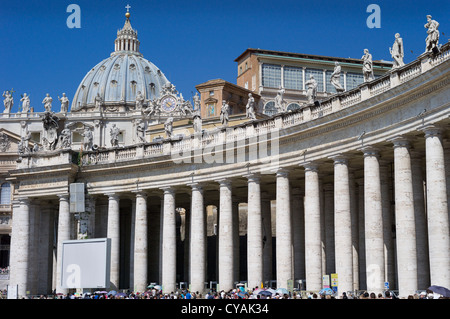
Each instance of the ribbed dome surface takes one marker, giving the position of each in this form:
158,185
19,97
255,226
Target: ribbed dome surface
120,77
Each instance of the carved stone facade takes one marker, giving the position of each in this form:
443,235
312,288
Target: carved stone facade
332,187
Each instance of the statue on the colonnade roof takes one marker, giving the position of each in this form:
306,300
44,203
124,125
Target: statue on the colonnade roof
367,66
311,91
64,103
140,131
279,100
197,120
25,103
8,102
224,111
251,107
432,39
335,79
397,51
47,102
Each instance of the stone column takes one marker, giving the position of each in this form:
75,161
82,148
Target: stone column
254,233
437,210
298,230
267,236
113,232
313,249
404,218
19,258
373,221
284,247
169,242
64,226
226,263
141,243
342,225
423,266
198,240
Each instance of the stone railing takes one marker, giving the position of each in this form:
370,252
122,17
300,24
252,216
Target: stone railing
277,122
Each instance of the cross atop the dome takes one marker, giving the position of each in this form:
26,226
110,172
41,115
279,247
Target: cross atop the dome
128,11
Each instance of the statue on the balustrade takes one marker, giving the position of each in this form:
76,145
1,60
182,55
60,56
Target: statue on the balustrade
25,103
397,52
65,138
47,103
140,132
197,119
335,79
114,133
251,107
311,89
140,99
224,113
98,100
168,127
8,102
367,66
88,137
50,136
279,100
432,39
196,100
64,103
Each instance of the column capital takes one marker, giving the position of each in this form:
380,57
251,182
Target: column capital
310,166
112,196
370,151
196,186
63,197
431,130
24,201
168,190
253,177
339,159
400,141
140,193
282,171
224,181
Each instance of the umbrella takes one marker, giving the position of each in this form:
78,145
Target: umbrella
326,291
265,293
440,290
282,291
112,293
273,292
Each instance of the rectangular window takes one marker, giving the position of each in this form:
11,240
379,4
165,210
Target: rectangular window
318,76
293,78
353,80
271,75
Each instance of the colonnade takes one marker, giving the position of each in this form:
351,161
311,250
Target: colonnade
359,197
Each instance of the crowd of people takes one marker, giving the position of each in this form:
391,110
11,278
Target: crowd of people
231,294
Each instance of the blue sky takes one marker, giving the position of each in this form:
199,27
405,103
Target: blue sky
195,41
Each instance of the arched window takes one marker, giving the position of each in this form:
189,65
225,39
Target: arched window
293,107
270,109
5,194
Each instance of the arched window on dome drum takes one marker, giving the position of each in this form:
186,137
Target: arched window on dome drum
293,107
270,109
5,194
